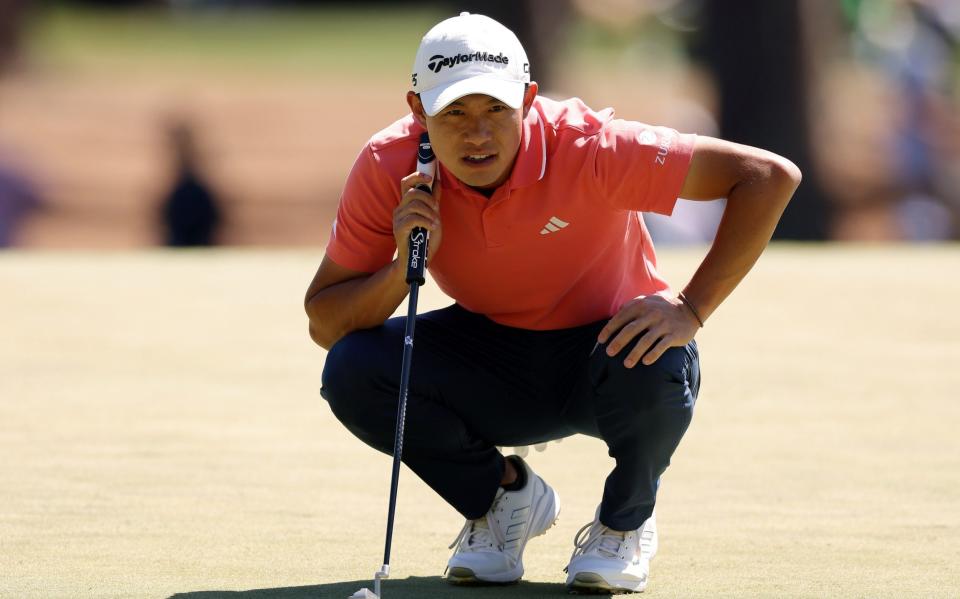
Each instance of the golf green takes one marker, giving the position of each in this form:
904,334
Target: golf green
162,435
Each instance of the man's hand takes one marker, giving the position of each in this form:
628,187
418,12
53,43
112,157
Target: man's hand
416,209
657,322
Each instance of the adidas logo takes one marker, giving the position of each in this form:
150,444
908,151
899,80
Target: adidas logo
553,225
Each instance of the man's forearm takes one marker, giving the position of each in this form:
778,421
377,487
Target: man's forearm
355,304
752,212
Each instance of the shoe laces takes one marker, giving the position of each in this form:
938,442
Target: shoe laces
481,534
599,539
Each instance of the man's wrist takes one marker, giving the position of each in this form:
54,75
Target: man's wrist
693,309
398,271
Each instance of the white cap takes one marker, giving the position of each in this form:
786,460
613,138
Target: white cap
469,54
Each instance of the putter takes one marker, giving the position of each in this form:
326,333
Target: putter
416,266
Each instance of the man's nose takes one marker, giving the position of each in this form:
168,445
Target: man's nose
477,131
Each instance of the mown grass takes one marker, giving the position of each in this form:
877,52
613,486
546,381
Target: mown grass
332,39
340,40
163,436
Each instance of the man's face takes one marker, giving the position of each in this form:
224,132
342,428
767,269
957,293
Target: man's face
476,137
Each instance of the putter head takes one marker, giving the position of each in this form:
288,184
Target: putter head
365,593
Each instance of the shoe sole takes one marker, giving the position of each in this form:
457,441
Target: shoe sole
588,583
466,577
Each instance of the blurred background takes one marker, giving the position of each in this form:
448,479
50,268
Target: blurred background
204,122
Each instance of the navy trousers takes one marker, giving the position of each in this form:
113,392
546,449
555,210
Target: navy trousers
476,384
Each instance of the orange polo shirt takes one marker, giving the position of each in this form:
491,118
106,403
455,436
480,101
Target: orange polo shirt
560,244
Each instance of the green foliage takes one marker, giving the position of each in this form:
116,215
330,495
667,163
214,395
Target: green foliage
265,40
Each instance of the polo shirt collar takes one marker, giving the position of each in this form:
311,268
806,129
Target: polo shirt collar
531,161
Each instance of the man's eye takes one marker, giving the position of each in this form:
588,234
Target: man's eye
498,108
454,112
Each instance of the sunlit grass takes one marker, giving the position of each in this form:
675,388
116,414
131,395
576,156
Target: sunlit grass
338,40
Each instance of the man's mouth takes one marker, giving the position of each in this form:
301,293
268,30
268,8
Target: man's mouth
479,159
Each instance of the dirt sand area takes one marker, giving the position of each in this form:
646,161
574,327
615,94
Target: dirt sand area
162,436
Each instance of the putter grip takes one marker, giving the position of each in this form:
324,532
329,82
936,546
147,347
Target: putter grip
417,255
420,237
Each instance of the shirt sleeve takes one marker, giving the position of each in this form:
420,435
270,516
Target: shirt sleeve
362,235
641,167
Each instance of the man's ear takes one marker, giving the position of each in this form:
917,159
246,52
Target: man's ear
416,107
528,97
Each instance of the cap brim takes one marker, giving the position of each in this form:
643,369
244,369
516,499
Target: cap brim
509,92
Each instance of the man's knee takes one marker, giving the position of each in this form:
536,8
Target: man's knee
352,367
644,411
670,383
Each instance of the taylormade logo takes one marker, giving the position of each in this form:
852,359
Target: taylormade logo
438,61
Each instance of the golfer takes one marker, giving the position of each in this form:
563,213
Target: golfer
561,323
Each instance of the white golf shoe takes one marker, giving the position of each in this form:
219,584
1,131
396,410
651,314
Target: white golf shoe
609,561
490,549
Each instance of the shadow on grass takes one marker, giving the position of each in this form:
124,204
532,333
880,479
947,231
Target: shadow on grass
414,587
